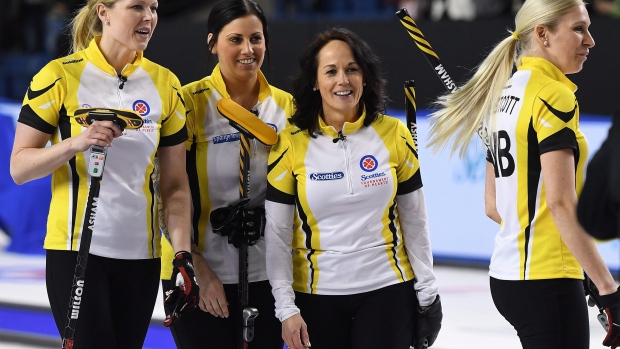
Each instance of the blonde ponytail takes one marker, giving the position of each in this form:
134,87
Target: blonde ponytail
86,24
472,108
463,112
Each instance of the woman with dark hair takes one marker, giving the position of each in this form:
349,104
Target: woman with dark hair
238,35
345,195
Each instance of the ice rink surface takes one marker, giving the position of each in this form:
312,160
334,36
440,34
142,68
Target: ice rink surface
470,318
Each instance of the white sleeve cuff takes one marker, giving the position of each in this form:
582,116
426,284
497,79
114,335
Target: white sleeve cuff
278,241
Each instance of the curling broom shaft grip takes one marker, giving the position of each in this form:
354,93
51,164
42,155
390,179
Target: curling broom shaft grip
244,166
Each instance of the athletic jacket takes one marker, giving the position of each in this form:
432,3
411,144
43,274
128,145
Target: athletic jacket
599,205
126,224
213,170
351,209
538,113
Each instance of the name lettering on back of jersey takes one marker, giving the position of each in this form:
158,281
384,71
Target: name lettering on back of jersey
507,104
503,162
330,176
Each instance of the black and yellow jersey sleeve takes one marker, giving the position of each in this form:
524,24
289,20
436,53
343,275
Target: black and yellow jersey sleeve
555,121
173,130
43,102
281,186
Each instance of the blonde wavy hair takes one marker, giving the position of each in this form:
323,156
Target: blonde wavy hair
470,109
86,24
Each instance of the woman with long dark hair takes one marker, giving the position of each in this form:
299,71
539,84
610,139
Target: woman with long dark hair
239,37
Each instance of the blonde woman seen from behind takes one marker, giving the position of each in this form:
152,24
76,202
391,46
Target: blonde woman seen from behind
536,159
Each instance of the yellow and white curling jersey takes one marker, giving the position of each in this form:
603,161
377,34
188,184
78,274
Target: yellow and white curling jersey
126,224
538,113
213,170
346,236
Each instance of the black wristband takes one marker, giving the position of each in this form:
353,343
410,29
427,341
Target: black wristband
609,300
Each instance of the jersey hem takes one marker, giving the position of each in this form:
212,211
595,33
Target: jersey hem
574,274
348,290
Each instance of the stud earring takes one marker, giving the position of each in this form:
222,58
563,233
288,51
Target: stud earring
364,84
314,89
546,43
106,22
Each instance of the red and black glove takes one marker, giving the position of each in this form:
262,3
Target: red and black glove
184,297
611,306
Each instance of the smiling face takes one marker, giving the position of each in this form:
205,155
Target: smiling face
240,48
339,80
130,24
569,44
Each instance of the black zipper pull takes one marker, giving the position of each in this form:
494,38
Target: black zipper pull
123,80
340,137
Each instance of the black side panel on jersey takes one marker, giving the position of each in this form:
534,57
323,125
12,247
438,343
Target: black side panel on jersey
395,243
308,243
533,171
194,187
154,222
64,127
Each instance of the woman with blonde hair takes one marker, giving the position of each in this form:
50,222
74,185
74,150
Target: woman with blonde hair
530,124
107,69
